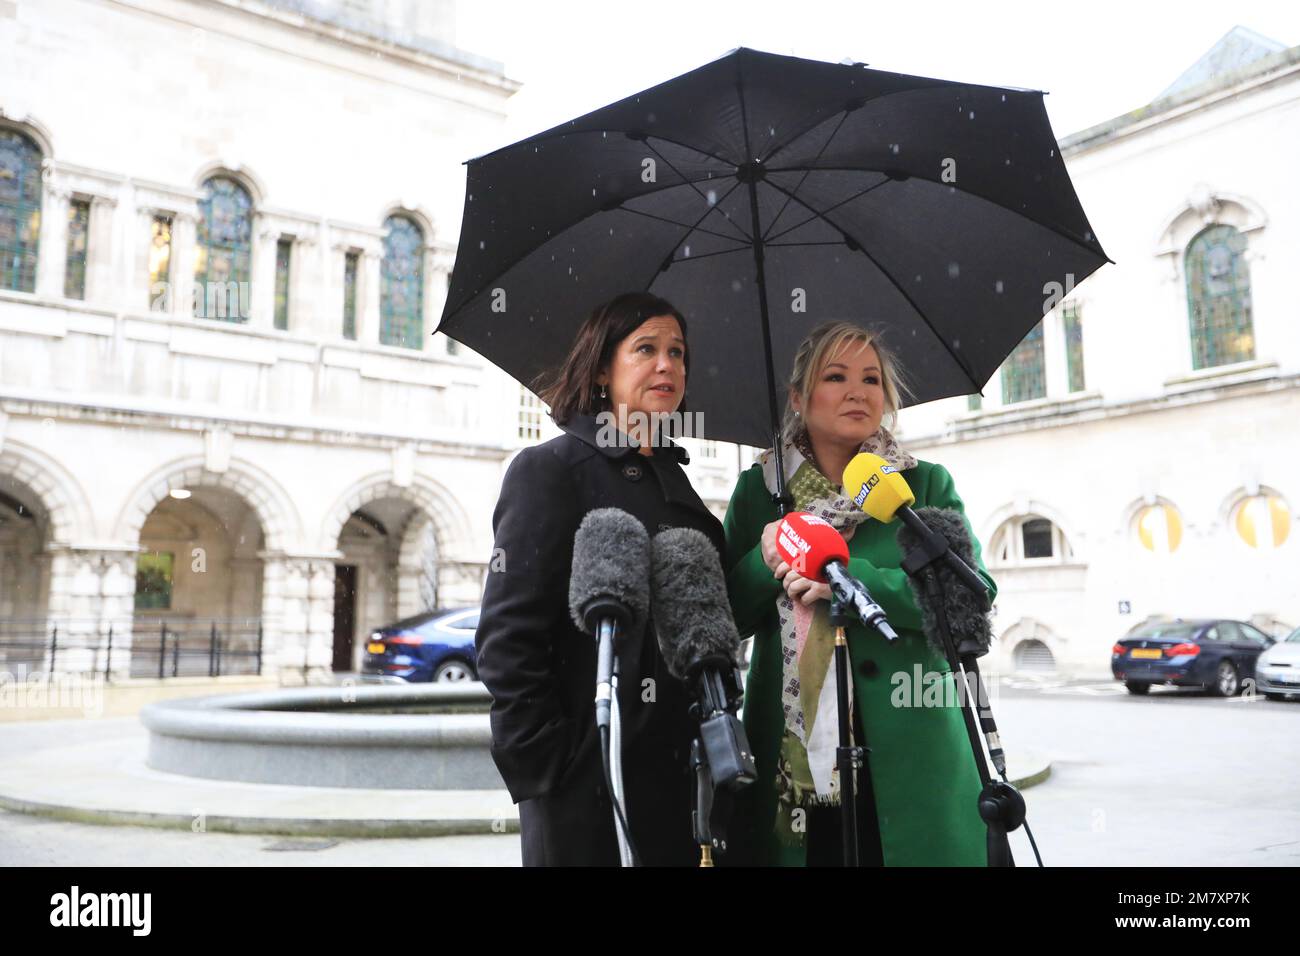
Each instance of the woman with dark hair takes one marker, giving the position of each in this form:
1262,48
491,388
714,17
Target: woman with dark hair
629,359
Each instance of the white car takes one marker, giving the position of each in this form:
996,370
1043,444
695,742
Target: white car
1277,671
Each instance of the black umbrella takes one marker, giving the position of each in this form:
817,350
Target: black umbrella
763,195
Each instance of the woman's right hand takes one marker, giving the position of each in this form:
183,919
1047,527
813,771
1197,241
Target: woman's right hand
771,557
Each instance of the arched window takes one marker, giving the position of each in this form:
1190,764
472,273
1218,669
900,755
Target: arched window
1026,540
1159,528
20,210
1024,374
1218,298
224,255
401,284
1263,521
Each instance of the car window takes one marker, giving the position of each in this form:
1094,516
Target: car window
1254,634
1228,631
1212,634
469,623
1175,631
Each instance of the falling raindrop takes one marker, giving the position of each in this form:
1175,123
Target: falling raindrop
918,277
972,114
893,148
1051,152
1004,97
956,343
997,286
712,197
1087,235
482,244
735,285
686,251
954,270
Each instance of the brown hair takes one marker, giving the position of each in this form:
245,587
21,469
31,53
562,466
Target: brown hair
816,350
571,389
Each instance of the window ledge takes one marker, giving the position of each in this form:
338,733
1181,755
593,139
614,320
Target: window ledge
1041,565
1034,408
1222,375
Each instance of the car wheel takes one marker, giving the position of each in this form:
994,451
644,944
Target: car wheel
1226,681
1136,687
453,672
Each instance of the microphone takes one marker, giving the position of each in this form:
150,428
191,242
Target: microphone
812,546
963,608
699,643
609,591
878,489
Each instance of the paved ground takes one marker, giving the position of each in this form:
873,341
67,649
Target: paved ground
1176,778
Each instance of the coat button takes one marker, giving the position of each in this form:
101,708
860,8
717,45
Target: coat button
632,472
868,668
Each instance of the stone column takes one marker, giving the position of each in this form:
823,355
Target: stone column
1056,376
184,250
263,275
368,319
298,617
99,251
91,590
330,307
52,256
304,287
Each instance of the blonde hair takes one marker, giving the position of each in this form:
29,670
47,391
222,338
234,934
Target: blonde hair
816,351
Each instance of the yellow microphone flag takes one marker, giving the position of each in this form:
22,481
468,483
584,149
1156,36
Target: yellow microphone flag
876,486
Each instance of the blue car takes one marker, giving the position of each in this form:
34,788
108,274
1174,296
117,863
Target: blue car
1216,655
434,646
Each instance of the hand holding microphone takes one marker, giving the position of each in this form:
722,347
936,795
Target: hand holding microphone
815,550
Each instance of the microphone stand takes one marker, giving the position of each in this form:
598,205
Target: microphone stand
721,758
616,768
848,757
609,726
1000,805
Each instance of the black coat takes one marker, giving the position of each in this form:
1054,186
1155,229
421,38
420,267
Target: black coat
541,669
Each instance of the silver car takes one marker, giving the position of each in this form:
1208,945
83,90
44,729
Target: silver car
1277,671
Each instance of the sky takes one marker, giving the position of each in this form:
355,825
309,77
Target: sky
1096,60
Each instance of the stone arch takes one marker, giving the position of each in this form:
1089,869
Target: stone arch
70,515
239,173
29,126
1206,207
1026,633
1027,506
450,523
414,212
281,524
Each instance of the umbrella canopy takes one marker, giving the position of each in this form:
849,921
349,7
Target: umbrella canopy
763,195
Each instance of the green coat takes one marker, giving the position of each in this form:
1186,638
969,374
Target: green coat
922,770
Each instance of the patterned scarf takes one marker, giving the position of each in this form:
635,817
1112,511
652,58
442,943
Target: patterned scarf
806,770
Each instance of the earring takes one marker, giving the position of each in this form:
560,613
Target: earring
602,391
796,414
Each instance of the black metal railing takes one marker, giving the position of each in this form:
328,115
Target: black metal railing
158,647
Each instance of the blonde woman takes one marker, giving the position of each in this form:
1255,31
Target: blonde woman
917,794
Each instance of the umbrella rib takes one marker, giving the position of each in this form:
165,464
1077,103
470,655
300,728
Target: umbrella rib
720,252
746,237
857,195
886,273
767,237
686,225
968,192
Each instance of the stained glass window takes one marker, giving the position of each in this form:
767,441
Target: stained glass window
74,278
350,263
283,252
401,284
20,210
1023,375
1218,298
1073,345
225,251
160,263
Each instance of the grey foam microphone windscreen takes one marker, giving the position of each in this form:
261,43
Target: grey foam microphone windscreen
611,571
689,602
967,618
